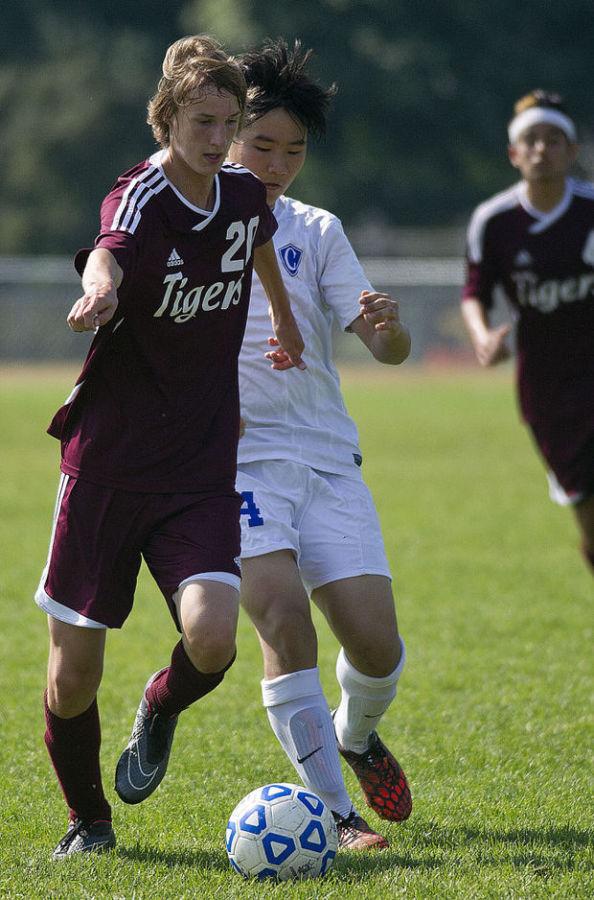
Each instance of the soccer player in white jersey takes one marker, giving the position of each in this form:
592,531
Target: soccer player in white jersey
536,240
309,526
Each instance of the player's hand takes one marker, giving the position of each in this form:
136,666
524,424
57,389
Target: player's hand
290,343
492,348
96,307
278,357
380,311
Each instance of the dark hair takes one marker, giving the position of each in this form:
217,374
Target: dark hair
277,78
538,97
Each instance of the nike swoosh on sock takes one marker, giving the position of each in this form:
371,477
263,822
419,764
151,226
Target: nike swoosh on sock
307,756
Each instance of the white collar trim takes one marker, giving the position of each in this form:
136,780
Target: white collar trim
545,219
157,160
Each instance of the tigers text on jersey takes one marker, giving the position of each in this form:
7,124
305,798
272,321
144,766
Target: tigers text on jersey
156,405
545,264
300,415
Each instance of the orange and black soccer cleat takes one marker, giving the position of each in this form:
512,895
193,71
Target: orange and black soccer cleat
382,780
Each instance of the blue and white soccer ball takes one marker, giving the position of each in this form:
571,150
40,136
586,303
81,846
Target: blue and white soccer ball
281,831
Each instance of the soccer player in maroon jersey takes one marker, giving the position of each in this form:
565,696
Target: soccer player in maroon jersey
149,434
536,240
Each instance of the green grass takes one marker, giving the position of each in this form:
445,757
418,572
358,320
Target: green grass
492,719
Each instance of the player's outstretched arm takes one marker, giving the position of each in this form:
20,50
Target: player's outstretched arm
489,344
283,322
380,328
101,279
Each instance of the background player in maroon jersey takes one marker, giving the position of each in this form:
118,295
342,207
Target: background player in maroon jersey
536,240
149,434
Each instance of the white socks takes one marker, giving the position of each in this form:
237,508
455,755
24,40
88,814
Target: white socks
364,701
301,719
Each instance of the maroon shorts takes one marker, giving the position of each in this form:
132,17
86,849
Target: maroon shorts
101,534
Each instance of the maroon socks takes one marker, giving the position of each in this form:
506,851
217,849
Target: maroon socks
73,745
181,684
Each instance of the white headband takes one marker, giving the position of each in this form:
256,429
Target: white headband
537,115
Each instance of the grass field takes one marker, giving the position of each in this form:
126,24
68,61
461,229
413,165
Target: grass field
493,719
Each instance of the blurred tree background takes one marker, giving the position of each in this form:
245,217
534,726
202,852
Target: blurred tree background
417,132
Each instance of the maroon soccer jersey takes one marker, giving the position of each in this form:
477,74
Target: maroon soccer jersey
156,407
545,264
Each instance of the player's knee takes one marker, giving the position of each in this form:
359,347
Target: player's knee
374,655
73,687
211,652
290,645
281,613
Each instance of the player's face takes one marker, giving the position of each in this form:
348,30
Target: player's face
202,130
542,153
273,148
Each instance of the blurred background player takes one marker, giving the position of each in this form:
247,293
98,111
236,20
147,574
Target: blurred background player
149,434
309,525
536,240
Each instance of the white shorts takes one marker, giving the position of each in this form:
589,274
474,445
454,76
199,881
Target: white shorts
328,521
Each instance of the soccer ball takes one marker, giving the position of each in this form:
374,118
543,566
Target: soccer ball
281,831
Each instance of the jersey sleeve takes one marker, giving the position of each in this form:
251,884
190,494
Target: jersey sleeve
121,242
267,225
340,275
480,277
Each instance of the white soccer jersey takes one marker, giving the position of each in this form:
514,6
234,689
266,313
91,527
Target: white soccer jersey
300,415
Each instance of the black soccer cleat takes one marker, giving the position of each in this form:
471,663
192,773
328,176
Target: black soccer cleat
85,837
143,764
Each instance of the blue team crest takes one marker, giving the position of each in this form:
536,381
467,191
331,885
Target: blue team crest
291,257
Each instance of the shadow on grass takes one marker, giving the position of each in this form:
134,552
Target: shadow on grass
370,864
558,838
215,860
565,838
533,848
547,850
346,863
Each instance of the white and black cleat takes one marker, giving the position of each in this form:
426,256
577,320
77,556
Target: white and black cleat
143,764
85,837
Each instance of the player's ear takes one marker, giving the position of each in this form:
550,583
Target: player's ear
512,154
574,149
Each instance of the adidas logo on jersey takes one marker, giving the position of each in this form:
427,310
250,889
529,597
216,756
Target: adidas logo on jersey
175,259
523,258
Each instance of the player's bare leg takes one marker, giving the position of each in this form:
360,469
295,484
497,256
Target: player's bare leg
207,612
274,598
361,613
73,735
75,667
584,513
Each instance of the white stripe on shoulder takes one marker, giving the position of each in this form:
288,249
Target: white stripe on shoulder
236,167
583,189
139,191
499,203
